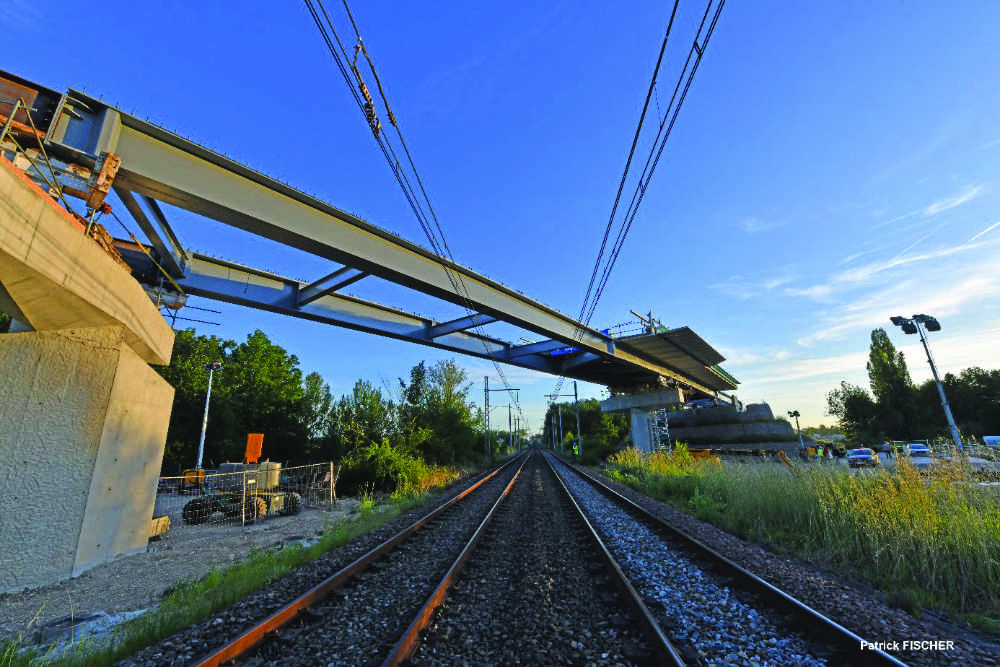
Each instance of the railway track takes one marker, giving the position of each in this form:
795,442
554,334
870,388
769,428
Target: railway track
540,564
711,608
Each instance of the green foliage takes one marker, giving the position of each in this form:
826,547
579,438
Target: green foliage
4,328
381,468
258,390
895,398
855,411
602,432
896,409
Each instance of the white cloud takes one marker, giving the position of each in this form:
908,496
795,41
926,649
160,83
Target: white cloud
865,274
970,193
932,291
984,232
740,287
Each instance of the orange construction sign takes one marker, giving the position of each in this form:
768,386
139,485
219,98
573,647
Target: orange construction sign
255,443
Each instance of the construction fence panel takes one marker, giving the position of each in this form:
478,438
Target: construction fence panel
239,494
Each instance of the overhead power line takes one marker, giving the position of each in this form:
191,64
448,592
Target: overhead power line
666,125
348,67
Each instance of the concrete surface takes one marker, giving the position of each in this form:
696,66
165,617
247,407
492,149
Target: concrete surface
84,421
60,278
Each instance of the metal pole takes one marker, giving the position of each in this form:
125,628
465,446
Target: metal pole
579,436
561,440
333,480
10,118
944,401
486,415
798,429
510,429
204,421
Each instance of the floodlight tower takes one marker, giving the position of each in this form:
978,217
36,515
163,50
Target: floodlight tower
795,415
916,325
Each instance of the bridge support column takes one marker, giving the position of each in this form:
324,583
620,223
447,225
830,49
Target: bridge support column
83,417
639,420
83,421
638,407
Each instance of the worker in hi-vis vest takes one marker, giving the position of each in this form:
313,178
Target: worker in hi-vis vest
576,450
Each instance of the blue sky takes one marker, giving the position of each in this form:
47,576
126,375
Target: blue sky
832,166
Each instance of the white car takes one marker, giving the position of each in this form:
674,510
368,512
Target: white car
919,455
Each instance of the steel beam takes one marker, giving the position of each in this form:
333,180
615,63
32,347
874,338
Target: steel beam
461,324
222,280
157,230
337,280
174,170
163,166
540,347
572,361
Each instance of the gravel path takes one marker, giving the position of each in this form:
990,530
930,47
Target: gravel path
696,611
530,595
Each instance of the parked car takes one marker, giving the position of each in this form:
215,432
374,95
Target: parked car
862,457
918,454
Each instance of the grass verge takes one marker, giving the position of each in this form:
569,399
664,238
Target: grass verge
925,541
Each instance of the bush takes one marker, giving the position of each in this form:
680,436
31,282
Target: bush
380,468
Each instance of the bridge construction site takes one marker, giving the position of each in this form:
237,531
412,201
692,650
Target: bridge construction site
532,559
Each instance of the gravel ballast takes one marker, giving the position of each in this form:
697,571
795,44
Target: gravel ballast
531,593
858,608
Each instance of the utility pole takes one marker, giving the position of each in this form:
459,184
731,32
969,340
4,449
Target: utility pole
486,415
211,368
553,397
579,435
486,412
510,429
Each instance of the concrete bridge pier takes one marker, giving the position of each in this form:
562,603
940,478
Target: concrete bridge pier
83,417
638,407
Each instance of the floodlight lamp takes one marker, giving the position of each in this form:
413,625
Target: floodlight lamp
897,320
932,324
909,327
214,366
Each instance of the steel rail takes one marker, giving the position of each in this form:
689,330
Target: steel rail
254,636
844,641
663,650
409,641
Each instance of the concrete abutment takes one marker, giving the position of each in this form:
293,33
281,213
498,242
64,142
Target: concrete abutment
83,417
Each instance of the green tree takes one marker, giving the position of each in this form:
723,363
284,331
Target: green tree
450,415
263,386
4,322
974,398
856,412
360,418
314,413
894,393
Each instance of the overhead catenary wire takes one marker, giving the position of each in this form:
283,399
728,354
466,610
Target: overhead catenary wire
686,77
430,226
695,53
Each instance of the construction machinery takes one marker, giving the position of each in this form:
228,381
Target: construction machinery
244,491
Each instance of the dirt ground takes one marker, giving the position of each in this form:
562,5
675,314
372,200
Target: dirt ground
115,591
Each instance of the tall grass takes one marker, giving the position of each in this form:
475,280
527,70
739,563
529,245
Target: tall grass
925,541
